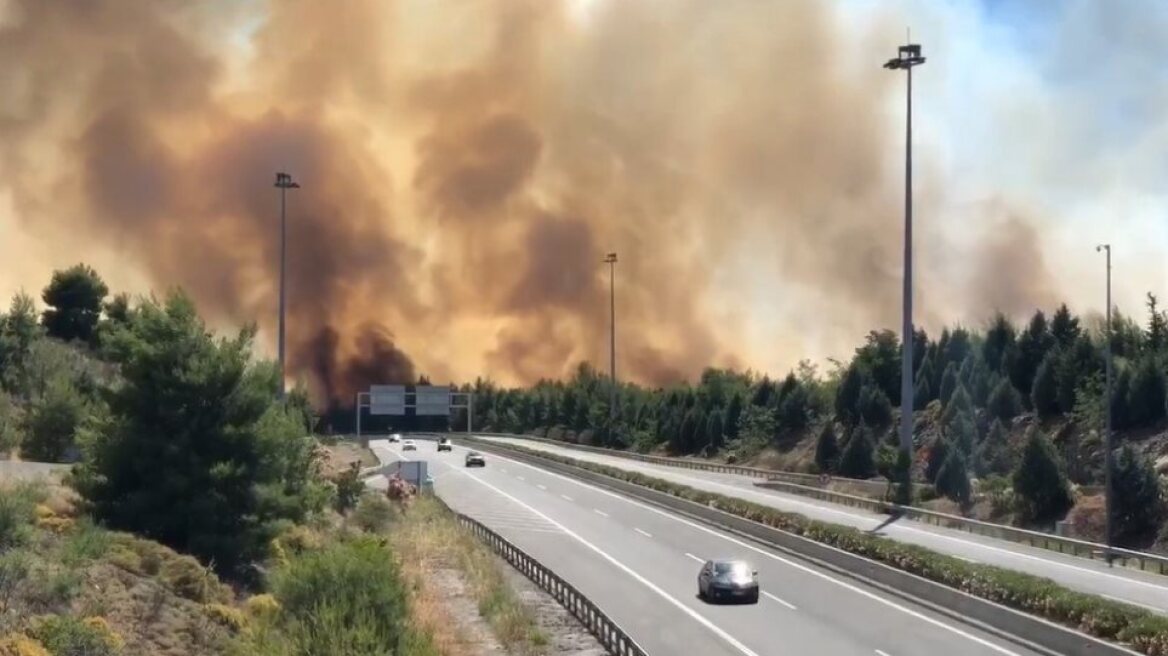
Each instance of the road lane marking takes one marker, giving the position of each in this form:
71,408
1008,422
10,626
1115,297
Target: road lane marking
503,470
600,512
826,577
665,470
698,617
785,603
644,533
881,653
565,497
540,486
521,478
695,558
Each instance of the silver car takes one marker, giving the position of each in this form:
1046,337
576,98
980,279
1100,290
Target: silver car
728,579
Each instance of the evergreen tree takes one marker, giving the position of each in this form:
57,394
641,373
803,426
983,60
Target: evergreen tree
937,455
733,414
1121,417
962,433
959,404
715,429
75,298
953,479
688,433
1157,327
948,383
959,347
1064,327
793,412
847,396
879,357
1004,402
993,454
1147,394
981,385
921,394
1139,500
763,393
998,340
858,458
1033,345
827,450
875,409
1044,395
1075,366
1040,482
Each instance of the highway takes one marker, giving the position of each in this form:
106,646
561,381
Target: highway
1140,588
639,564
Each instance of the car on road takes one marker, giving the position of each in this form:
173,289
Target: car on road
475,459
409,445
395,438
728,579
445,445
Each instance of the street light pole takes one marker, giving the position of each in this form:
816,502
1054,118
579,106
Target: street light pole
611,260
907,57
1109,493
283,183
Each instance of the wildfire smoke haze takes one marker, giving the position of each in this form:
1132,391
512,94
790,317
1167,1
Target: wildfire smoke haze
466,165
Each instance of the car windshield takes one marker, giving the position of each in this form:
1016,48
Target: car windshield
733,570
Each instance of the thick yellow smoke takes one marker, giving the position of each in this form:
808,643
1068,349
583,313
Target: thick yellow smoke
465,166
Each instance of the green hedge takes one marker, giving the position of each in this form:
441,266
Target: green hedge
1144,631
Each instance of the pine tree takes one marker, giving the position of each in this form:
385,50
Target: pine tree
937,455
1004,402
948,383
998,340
715,429
793,411
993,454
921,394
1147,394
953,479
1040,482
827,450
959,403
962,433
1044,393
1157,327
1075,366
1139,500
875,409
733,413
1033,345
1064,327
847,396
858,458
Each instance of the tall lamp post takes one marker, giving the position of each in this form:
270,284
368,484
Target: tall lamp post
610,259
1109,492
907,57
283,183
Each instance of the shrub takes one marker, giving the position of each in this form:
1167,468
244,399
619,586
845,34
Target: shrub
262,605
858,460
18,512
64,635
827,450
373,514
21,645
190,580
226,616
349,488
1039,481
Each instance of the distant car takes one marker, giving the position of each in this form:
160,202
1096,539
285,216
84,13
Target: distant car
728,579
409,445
445,445
395,438
475,459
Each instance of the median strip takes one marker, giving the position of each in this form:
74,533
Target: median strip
1145,632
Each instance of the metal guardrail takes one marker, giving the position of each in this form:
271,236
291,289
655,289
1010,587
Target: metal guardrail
1140,560
608,632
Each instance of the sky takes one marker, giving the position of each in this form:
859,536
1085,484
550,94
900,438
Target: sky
467,163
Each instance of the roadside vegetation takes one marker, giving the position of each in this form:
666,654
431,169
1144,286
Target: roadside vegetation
199,515
1008,420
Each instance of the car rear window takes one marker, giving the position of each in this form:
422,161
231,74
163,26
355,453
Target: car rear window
731,568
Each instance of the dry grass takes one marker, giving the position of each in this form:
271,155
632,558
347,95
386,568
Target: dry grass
437,554
338,456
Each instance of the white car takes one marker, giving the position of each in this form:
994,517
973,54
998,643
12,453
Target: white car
409,445
395,438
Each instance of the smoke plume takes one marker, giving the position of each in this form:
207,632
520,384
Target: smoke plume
466,166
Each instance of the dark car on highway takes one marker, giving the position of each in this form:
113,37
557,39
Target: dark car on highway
475,459
728,579
445,445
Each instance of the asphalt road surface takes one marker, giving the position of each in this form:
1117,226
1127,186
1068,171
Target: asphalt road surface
1140,588
640,564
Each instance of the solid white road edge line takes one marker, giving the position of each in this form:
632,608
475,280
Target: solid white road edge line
785,603
773,556
731,640
662,469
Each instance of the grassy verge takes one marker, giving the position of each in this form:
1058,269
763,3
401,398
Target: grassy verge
428,540
1144,631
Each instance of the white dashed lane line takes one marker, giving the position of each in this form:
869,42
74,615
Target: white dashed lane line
695,557
600,512
774,598
644,533
565,497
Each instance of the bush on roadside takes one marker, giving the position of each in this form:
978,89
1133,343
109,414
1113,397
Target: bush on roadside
21,645
64,635
374,513
1097,616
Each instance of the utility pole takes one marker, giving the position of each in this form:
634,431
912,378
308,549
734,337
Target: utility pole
283,183
1108,461
907,57
610,259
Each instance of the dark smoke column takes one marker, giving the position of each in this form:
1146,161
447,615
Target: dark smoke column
907,57
283,183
